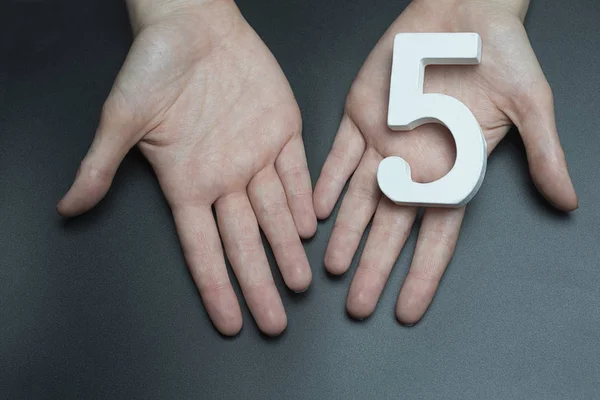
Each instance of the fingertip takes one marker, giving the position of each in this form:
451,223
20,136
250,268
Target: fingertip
407,323
69,207
303,213
322,206
88,189
567,201
336,260
565,198
365,290
334,263
359,305
340,251
60,208
555,184
65,206
300,280
406,317
307,227
274,324
573,203
230,319
267,309
230,328
412,304
224,310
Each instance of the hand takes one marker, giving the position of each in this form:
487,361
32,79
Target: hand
507,87
210,108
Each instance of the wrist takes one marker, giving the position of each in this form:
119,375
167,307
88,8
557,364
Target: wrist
518,8
147,12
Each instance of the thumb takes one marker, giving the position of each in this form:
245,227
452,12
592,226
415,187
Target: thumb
547,164
115,136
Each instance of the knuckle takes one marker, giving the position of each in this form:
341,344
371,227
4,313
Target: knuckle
362,193
95,172
295,172
346,228
547,154
426,276
342,157
213,287
363,188
205,251
370,268
296,194
246,246
284,244
274,208
390,234
439,238
260,284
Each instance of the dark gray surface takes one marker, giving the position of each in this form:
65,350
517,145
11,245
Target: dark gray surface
103,307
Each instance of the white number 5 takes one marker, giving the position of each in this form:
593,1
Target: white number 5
410,108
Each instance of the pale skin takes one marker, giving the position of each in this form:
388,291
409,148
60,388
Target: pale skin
508,88
209,107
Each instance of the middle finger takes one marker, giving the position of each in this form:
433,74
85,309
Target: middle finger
244,248
391,226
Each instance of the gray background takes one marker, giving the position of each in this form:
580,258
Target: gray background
102,306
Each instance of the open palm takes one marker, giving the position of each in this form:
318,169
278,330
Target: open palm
208,105
507,87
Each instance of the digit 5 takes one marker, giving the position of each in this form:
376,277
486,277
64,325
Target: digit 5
409,108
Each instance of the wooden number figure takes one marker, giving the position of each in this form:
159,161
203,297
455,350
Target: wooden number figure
409,108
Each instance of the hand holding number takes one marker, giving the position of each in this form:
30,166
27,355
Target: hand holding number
507,87
208,105
409,108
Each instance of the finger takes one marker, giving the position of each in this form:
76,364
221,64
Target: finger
356,211
274,217
243,245
435,245
204,255
547,163
348,148
389,231
293,171
116,134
